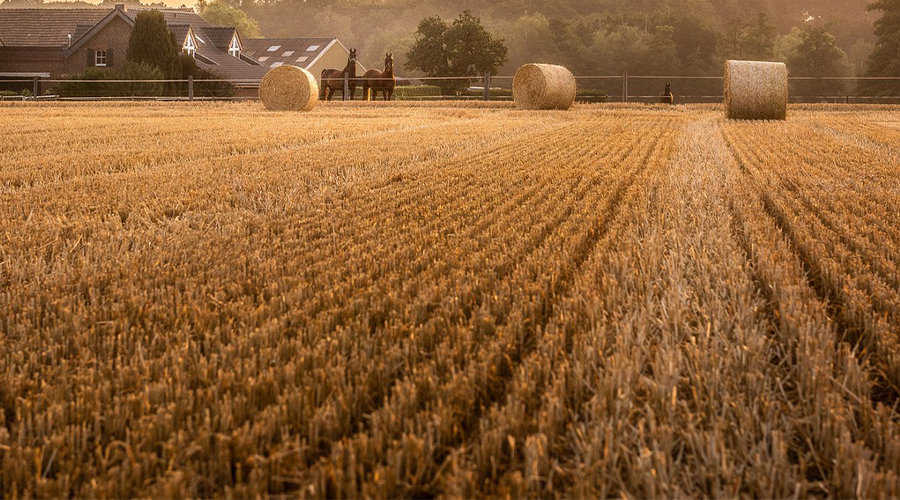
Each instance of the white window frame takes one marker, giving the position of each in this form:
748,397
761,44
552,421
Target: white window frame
189,47
100,58
234,49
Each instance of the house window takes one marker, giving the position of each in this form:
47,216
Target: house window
263,58
276,64
234,50
287,53
100,58
312,48
189,47
302,59
274,48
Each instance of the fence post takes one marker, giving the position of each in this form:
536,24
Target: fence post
487,85
346,86
625,86
37,86
191,88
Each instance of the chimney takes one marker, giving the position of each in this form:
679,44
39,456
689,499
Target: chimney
122,7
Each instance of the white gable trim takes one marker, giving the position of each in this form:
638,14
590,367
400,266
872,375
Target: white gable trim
322,53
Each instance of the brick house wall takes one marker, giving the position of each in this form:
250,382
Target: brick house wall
32,60
112,38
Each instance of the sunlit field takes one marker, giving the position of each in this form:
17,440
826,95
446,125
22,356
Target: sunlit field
398,300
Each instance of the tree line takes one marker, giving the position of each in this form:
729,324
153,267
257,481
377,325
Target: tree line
609,37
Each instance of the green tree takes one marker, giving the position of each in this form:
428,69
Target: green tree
152,44
662,54
818,55
222,14
884,61
696,43
754,41
464,48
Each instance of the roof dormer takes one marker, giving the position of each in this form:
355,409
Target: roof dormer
190,44
234,48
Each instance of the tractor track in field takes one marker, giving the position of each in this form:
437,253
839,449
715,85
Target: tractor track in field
503,272
499,365
611,217
836,307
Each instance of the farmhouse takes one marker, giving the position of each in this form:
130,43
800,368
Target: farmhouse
55,43
311,54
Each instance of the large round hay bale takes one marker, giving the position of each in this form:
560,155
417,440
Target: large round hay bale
756,90
544,86
289,88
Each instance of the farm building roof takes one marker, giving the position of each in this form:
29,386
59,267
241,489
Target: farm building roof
46,27
219,36
173,16
301,52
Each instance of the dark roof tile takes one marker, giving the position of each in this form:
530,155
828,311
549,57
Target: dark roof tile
218,36
45,27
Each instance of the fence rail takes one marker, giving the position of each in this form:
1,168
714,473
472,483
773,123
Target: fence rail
187,87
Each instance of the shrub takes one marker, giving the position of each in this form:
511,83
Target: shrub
211,89
80,85
416,91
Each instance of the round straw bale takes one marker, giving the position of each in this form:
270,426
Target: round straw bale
289,88
544,86
756,90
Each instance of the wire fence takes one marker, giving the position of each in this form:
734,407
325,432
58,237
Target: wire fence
591,88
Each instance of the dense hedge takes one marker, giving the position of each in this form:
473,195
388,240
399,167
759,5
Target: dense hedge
416,91
81,85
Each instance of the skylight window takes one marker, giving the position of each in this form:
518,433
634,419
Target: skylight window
263,58
276,64
302,59
287,53
274,48
312,48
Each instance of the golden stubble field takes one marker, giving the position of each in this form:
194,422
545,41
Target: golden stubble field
448,301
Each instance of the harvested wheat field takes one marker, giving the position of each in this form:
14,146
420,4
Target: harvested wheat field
447,301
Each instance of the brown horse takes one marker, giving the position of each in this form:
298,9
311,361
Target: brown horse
667,97
333,79
380,80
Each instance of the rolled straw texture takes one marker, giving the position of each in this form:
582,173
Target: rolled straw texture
544,86
289,88
756,90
